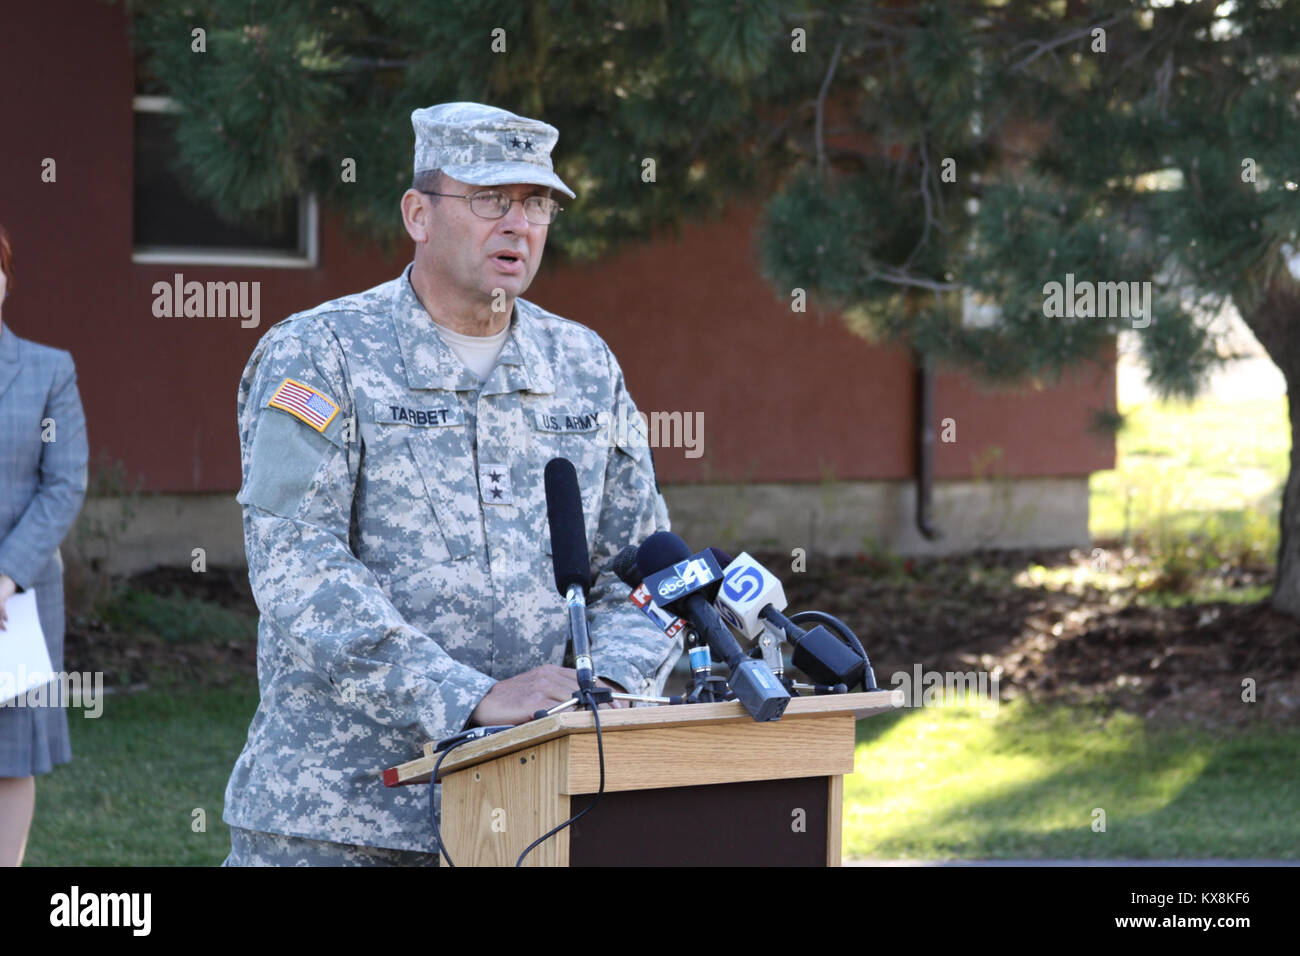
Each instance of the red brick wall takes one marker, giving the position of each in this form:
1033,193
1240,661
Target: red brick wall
787,397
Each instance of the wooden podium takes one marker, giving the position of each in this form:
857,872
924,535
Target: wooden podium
686,785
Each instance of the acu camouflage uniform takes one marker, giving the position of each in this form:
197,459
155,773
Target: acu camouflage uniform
400,555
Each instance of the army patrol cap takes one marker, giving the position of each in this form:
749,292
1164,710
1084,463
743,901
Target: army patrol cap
485,146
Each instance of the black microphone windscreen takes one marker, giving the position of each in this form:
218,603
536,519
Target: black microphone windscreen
661,550
568,530
625,567
721,557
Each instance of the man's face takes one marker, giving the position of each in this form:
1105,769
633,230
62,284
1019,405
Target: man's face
480,256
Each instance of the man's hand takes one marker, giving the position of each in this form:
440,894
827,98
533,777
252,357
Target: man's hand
515,699
7,590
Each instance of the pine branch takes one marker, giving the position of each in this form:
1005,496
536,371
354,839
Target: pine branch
821,105
902,278
1079,33
929,205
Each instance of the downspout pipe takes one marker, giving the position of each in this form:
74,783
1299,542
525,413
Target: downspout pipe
923,423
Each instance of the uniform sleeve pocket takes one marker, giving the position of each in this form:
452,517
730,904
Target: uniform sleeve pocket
285,462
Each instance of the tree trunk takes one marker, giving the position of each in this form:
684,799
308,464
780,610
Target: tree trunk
1275,320
1286,589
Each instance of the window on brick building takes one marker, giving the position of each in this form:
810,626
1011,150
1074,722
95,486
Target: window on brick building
170,225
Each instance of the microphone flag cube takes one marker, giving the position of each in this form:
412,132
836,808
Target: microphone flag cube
747,588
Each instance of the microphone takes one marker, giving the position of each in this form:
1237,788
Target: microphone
625,567
751,598
571,559
685,584
627,571
697,652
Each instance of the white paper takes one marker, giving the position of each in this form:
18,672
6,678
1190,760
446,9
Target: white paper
24,658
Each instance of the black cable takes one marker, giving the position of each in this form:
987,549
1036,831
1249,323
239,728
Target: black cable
600,750
845,635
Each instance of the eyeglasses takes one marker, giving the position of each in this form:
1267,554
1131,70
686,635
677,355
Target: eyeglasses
539,210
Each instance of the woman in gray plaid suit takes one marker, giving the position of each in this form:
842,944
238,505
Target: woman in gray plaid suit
43,456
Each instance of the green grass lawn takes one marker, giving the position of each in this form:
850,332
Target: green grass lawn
947,783
1198,487
138,773
930,783
1182,464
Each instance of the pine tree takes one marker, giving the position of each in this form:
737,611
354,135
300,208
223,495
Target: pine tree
911,155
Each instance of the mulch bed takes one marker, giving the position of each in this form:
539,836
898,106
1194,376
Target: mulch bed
1172,665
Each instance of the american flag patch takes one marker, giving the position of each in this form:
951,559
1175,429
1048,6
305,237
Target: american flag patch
304,402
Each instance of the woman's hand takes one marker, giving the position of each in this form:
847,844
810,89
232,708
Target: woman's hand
7,590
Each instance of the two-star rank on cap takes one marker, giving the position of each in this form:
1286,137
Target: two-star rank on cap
305,403
494,484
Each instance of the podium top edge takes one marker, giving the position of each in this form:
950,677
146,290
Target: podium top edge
535,732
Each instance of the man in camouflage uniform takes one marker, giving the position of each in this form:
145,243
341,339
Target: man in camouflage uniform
393,444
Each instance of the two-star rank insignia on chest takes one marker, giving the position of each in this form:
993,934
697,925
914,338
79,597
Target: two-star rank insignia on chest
494,484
